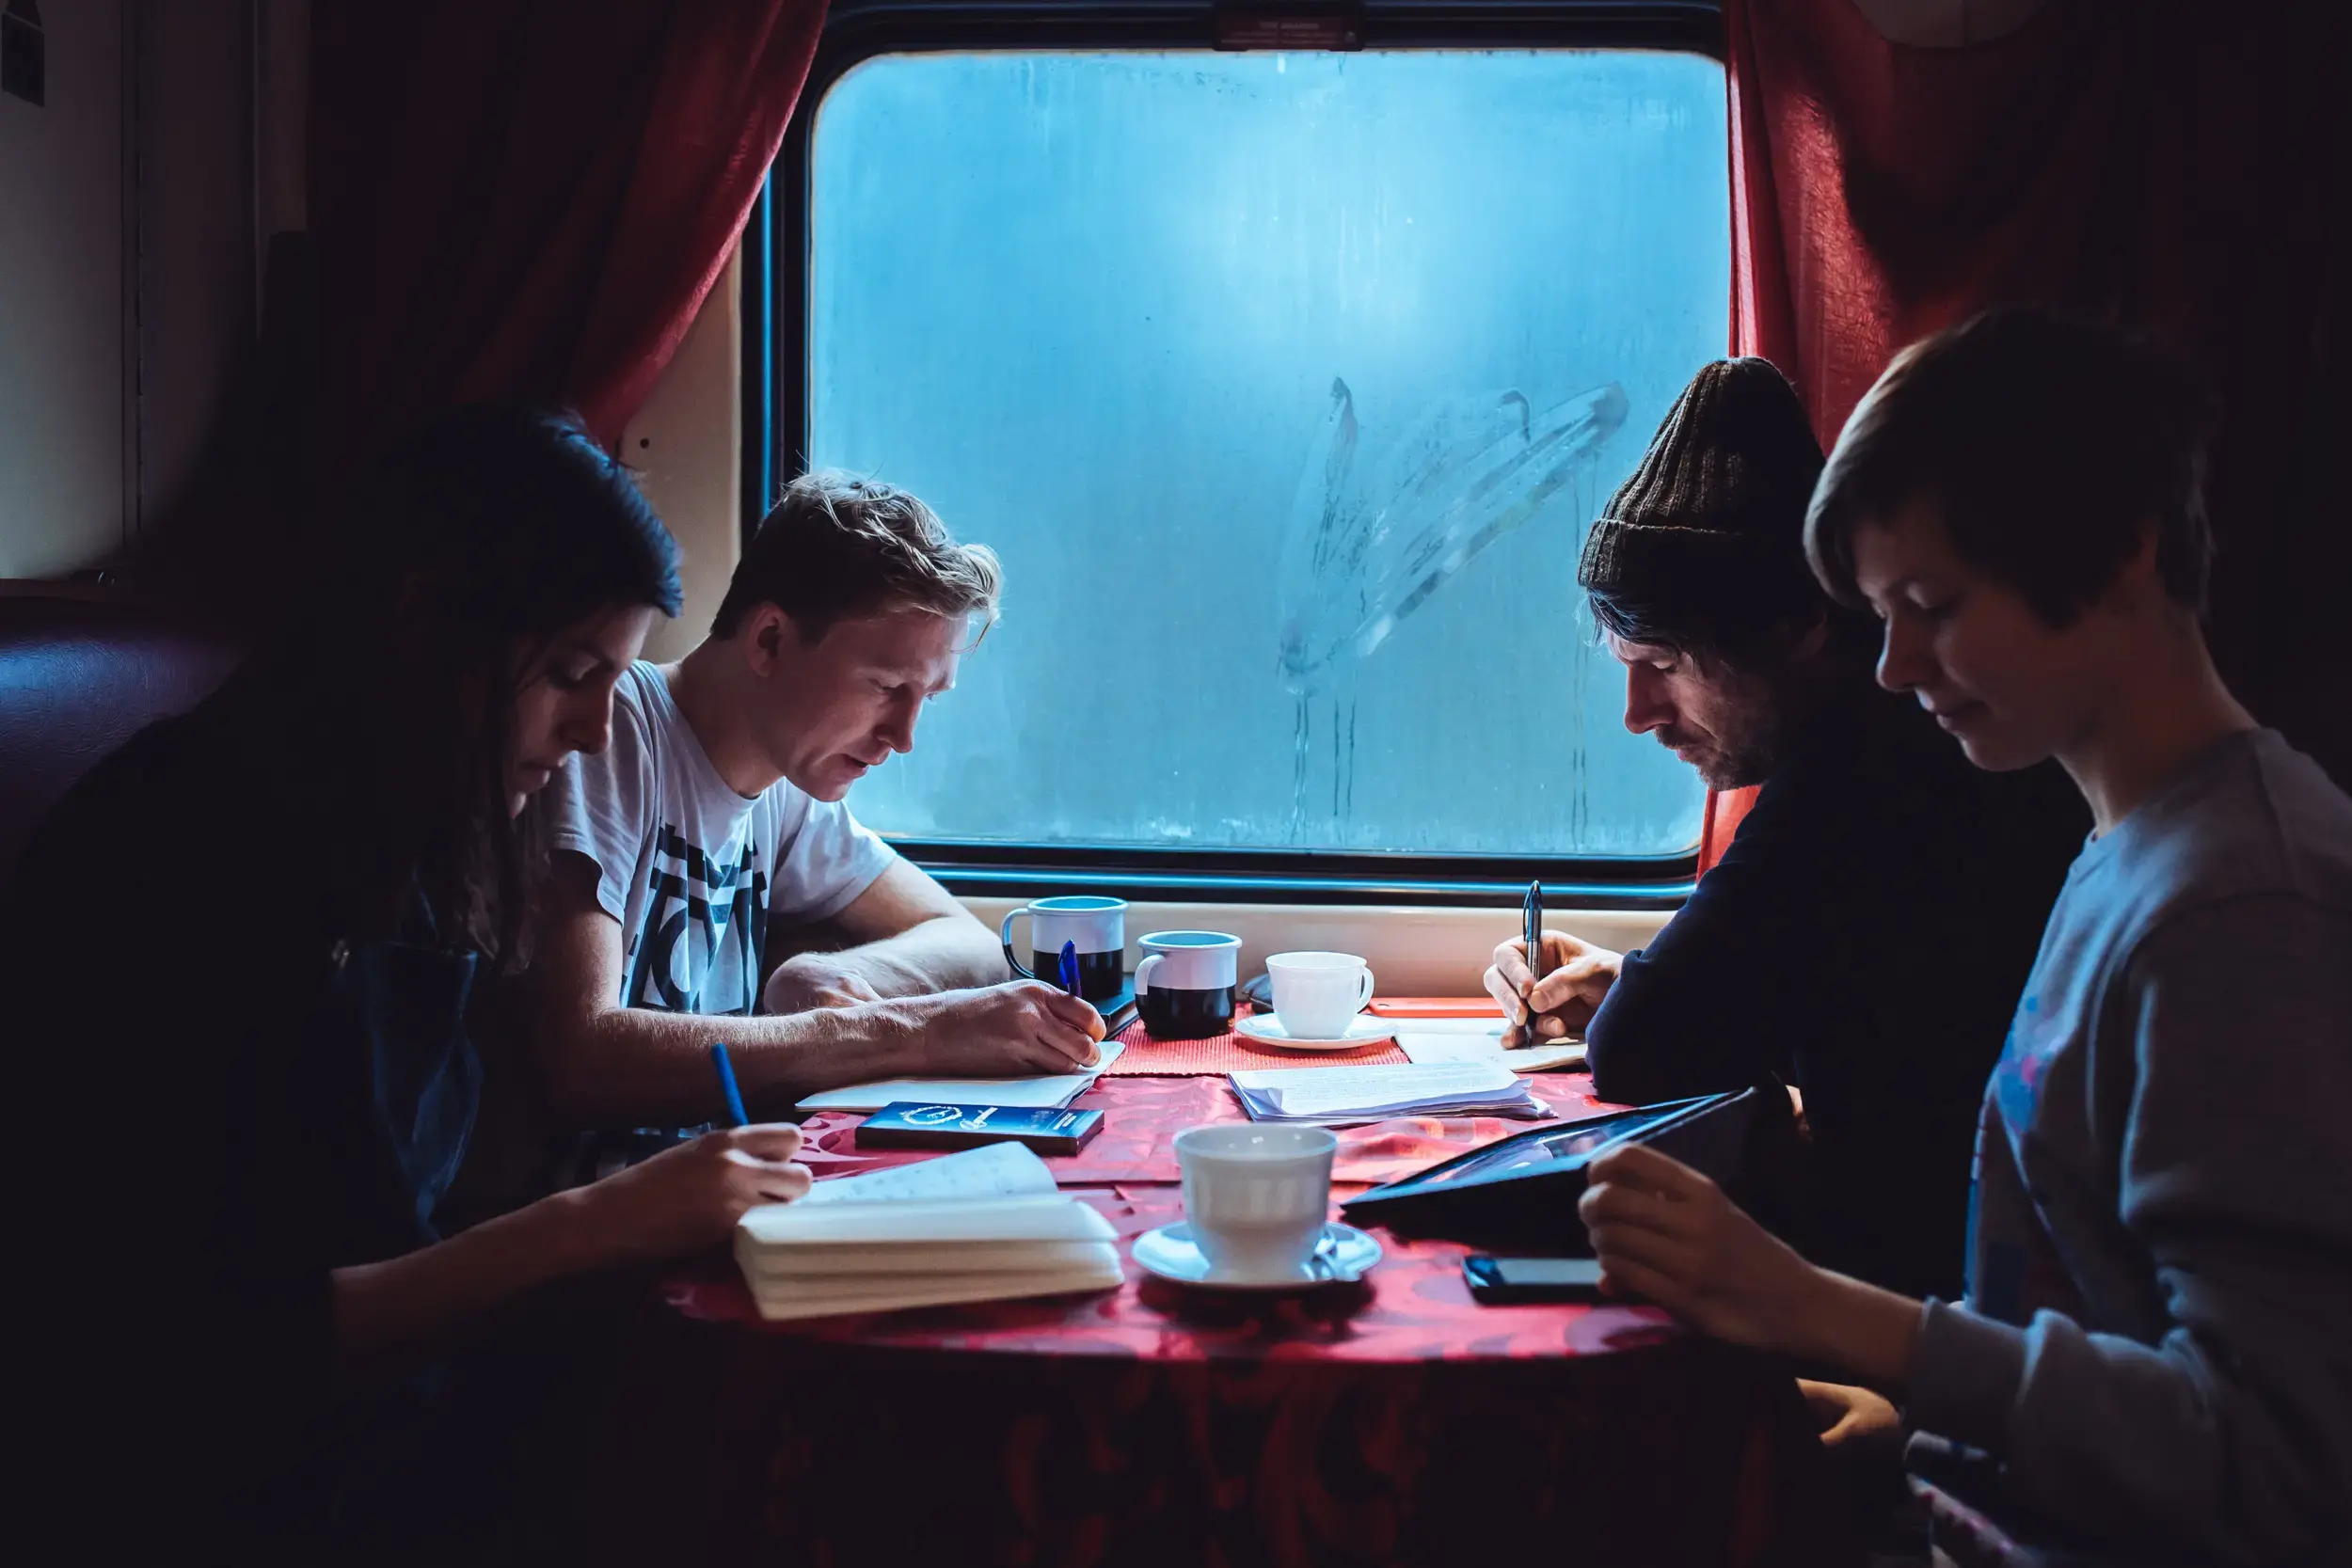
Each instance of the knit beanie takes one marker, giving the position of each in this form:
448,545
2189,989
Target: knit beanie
1722,491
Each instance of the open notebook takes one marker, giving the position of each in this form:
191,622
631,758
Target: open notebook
1054,1090
985,1225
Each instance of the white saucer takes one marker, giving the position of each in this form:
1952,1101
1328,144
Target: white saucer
1363,1030
1341,1256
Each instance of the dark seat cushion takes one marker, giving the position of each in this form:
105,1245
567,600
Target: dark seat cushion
82,670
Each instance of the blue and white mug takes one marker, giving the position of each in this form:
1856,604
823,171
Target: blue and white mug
1184,985
1098,926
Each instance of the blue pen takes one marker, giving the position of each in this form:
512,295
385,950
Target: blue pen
727,1085
1070,967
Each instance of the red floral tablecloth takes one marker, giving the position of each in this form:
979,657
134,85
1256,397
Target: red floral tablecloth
1394,1422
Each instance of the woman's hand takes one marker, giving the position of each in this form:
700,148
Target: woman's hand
1665,1232
1849,1415
683,1200
686,1199
1577,977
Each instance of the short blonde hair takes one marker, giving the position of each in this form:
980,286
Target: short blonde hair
838,545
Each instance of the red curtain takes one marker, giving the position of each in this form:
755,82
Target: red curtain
2172,165
1726,810
530,198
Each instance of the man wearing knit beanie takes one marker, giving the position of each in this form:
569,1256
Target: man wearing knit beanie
1865,935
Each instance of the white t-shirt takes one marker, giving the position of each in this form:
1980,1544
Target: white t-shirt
691,869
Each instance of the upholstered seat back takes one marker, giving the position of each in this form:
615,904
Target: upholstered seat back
81,671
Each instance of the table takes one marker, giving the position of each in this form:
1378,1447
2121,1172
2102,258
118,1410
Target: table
1391,1422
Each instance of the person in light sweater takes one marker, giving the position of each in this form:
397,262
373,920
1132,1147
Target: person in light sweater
2153,1362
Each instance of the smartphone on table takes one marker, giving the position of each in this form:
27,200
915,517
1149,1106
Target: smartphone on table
1504,1281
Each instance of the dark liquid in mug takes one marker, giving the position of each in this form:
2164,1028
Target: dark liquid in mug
1186,1015
1100,974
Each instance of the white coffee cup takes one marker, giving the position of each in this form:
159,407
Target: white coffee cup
1317,995
1255,1197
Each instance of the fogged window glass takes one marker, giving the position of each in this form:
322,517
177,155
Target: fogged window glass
1286,387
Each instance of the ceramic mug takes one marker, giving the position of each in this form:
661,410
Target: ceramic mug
1184,985
1097,925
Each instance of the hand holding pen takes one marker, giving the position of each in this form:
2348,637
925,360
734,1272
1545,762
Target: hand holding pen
688,1199
1070,984
1549,983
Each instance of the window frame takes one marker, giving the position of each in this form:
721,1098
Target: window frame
775,402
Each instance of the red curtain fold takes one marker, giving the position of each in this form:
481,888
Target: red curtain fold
1726,810
530,198
2175,166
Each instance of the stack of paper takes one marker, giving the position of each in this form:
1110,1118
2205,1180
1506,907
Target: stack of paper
1344,1096
1056,1089
984,1224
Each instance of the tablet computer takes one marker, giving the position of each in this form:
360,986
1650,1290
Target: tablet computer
1521,1191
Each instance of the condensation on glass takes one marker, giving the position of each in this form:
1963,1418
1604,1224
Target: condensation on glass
1286,387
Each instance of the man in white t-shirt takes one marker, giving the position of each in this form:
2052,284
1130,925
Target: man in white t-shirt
716,817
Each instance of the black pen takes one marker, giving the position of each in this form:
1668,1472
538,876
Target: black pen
1533,911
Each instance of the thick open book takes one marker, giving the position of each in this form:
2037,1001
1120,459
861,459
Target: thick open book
984,1224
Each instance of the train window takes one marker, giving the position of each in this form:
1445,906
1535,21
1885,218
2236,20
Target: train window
1286,386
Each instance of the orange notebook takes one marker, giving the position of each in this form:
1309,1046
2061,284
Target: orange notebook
1435,1006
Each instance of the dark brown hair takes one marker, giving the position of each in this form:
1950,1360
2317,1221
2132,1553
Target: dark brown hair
837,546
1749,622
2047,445
477,540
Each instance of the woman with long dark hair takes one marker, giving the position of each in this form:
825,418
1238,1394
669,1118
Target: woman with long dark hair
240,955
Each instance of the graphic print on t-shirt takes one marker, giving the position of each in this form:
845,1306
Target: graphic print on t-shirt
705,926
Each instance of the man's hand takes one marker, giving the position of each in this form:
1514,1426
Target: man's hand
1578,975
1852,1415
807,981
1664,1232
1008,1031
686,1199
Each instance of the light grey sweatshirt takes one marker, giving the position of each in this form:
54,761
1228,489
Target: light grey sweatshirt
2157,1340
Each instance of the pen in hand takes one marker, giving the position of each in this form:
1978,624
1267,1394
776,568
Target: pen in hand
1070,984
736,1114
1531,911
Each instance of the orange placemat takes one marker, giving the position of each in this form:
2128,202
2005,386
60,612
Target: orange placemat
1219,1054
1435,1006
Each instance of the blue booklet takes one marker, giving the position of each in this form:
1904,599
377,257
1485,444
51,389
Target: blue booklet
912,1124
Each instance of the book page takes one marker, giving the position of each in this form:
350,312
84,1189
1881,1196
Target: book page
766,1266
776,1228
993,1170
1103,1274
